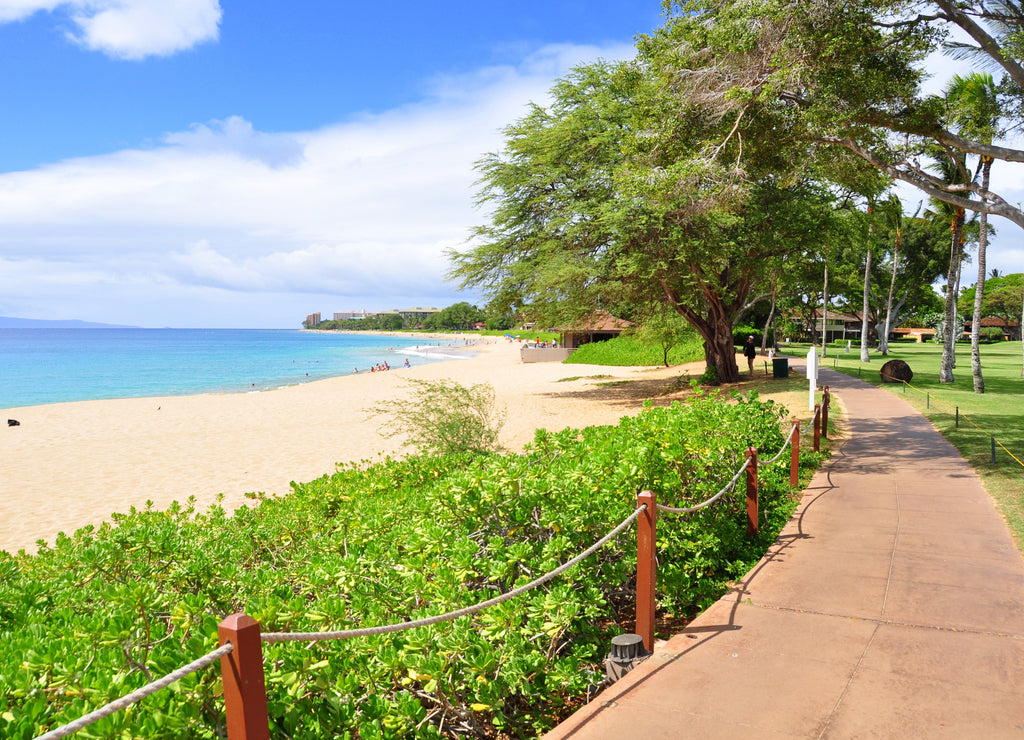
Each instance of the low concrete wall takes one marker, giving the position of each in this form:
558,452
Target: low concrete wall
545,354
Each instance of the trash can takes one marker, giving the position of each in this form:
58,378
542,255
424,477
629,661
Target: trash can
780,367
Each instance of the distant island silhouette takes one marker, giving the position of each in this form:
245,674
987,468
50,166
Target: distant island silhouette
9,322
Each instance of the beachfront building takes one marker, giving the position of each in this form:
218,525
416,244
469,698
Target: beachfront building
417,313
1009,329
836,326
312,321
349,315
600,326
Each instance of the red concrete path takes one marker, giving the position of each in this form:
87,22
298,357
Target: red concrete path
891,606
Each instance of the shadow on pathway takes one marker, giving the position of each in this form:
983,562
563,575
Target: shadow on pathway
891,606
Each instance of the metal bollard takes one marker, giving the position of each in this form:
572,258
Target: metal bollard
627,653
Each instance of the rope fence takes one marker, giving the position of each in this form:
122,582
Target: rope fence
138,695
449,616
240,651
704,504
958,414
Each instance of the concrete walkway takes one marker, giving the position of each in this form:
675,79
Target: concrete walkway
891,606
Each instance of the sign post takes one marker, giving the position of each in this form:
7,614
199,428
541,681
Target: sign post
812,373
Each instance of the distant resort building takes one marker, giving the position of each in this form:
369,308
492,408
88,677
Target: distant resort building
312,321
349,315
417,313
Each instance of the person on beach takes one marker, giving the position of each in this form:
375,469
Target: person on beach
750,352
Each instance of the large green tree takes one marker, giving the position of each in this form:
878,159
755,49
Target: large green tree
621,191
1002,299
852,72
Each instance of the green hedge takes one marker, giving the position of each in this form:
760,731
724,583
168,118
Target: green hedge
96,614
628,351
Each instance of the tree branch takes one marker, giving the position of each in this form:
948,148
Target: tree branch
990,202
956,15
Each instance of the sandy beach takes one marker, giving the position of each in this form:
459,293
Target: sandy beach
73,464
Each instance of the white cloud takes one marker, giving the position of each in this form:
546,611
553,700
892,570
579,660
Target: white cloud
16,10
226,225
129,29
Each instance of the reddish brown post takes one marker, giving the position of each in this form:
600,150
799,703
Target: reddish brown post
245,693
826,400
752,514
646,567
794,459
817,427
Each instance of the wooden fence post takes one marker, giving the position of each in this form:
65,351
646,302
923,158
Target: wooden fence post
245,693
817,427
752,513
794,459
646,567
826,401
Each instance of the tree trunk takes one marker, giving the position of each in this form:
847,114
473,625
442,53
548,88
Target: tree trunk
715,328
824,313
865,356
720,353
949,332
979,288
883,341
956,298
767,325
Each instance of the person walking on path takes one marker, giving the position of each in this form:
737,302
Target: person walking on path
750,352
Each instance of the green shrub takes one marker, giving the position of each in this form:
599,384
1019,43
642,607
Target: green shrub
445,418
991,333
96,614
740,334
628,351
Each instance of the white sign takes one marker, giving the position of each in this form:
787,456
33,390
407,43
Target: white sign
812,374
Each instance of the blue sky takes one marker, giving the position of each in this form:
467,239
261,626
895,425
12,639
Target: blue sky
195,163
223,164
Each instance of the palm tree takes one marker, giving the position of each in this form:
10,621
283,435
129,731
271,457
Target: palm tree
952,168
974,109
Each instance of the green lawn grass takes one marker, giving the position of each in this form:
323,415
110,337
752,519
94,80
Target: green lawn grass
998,413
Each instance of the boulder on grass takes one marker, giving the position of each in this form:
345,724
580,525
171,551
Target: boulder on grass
896,370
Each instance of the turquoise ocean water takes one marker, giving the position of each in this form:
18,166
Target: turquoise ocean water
40,366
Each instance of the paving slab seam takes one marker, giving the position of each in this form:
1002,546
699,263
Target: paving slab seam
887,622
895,544
846,688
